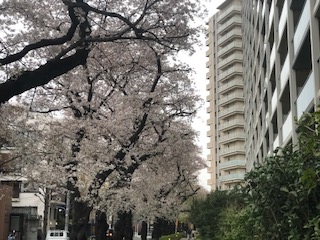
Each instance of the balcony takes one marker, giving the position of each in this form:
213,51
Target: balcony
233,57
232,177
208,86
233,45
306,96
230,72
226,13
302,27
274,100
272,56
267,119
236,83
232,151
287,127
208,75
208,41
232,34
208,63
271,14
238,122
233,164
263,11
237,96
230,23
283,18
232,110
284,73
232,137
276,143
210,170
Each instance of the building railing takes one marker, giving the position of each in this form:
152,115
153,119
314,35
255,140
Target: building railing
232,164
234,122
235,135
232,57
229,150
232,177
232,70
302,27
235,82
306,95
283,18
236,95
227,12
236,19
236,108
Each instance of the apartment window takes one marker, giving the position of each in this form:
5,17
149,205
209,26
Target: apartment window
16,189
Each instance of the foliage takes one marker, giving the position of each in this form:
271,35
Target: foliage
210,214
281,198
176,236
234,223
283,193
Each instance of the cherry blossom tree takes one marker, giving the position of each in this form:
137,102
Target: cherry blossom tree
41,41
119,118
107,69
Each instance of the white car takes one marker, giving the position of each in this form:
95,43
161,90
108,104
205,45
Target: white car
57,235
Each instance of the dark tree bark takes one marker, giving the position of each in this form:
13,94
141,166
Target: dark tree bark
128,230
144,230
156,233
162,227
80,219
45,213
123,226
101,226
42,75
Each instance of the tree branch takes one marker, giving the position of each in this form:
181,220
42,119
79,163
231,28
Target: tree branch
41,76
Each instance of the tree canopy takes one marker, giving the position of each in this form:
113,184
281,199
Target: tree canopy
41,41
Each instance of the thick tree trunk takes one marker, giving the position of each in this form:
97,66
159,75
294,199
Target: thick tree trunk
45,214
144,230
80,218
123,226
162,227
101,226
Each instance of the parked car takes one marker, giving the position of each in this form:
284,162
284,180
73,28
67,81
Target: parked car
110,234
57,235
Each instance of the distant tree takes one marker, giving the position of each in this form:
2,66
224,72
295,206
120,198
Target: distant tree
205,213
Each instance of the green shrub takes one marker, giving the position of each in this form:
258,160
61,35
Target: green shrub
176,236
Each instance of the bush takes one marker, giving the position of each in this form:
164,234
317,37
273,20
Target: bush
176,236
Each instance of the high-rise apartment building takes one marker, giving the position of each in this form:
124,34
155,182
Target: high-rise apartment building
280,70
226,101
281,43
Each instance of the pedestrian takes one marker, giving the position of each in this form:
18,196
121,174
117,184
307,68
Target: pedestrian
11,235
188,234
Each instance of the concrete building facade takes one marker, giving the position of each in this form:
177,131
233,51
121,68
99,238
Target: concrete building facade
269,51
225,98
281,43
